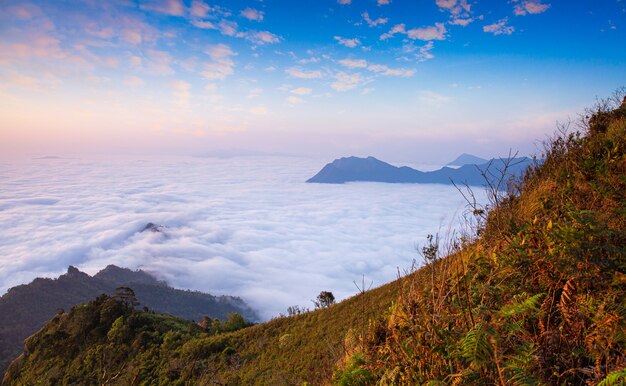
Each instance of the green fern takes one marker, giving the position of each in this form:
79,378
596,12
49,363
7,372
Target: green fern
518,367
475,345
614,379
531,304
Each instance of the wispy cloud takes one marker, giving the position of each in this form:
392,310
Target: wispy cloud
396,29
230,28
432,99
221,64
532,7
385,70
346,82
302,91
351,43
455,7
425,52
199,9
353,63
436,32
500,27
460,11
252,14
134,81
374,22
255,92
168,7
24,11
462,22
380,69
216,18
204,24
159,62
344,2
263,37
298,72
383,2
294,100
182,92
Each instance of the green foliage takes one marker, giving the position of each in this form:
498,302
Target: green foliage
355,373
536,294
26,308
215,326
476,347
614,379
324,299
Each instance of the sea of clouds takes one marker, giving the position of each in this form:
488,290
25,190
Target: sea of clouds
246,226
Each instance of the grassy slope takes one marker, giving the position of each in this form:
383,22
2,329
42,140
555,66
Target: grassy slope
538,298
165,350
306,347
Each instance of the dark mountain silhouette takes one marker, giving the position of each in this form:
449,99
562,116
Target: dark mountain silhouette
350,169
25,309
467,159
153,228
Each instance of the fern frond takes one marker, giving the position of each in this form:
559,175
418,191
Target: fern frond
475,345
614,379
531,304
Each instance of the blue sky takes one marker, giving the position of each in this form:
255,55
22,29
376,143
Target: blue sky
406,81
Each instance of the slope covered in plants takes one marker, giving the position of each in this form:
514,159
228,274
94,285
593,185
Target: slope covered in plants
105,342
26,308
536,294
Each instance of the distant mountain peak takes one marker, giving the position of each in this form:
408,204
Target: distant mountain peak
467,159
152,227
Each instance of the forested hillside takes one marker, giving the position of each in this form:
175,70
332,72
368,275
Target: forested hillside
26,308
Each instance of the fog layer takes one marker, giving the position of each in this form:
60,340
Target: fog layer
241,226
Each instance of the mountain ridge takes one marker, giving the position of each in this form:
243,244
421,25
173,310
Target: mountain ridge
371,169
25,308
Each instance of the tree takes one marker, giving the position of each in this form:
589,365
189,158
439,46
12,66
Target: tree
296,310
324,299
126,295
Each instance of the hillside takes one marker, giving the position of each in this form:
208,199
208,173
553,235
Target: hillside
349,169
536,294
533,293
162,349
25,309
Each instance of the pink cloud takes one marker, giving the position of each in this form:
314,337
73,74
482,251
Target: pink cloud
397,29
263,37
168,7
499,28
199,8
252,14
373,22
532,7
436,32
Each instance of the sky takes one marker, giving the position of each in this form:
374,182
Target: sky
406,81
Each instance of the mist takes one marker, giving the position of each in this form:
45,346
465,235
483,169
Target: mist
246,226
